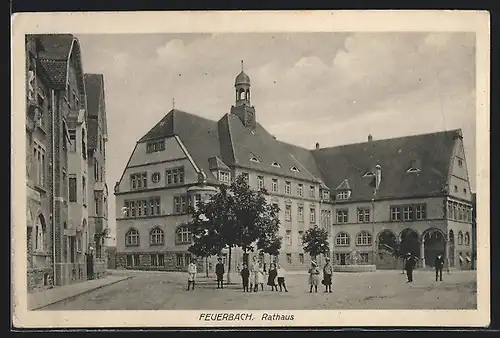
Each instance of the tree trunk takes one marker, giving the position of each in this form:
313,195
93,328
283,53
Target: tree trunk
206,266
229,267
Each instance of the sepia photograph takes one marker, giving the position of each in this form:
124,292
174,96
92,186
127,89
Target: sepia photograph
252,177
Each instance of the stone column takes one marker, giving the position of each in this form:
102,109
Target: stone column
422,252
447,253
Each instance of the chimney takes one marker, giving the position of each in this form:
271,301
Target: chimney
378,176
317,145
370,137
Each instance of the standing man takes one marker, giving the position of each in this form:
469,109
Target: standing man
192,270
409,266
219,271
439,264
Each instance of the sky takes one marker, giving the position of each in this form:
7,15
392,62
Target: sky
330,88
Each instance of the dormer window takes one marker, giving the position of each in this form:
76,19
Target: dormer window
413,170
368,174
294,169
343,195
276,164
155,146
414,167
254,159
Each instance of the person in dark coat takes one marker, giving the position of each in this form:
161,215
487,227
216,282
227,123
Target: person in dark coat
409,266
327,275
271,279
245,277
219,271
438,265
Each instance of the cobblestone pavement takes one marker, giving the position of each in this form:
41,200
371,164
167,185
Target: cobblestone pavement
371,290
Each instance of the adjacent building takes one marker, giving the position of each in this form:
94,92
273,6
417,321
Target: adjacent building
375,197
56,157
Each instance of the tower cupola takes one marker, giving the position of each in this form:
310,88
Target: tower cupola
242,107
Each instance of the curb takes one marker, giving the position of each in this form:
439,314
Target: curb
81,293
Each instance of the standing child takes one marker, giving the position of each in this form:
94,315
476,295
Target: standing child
260,276
327,275
271,279
313,277
245,276
219,271
192,270
281,278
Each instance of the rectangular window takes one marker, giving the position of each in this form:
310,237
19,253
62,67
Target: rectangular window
312,191
197,200
260,182
449,209
155,146
41,110
126,209
96,171
288,237
175,176
72,139
342,216
274,186
224,177
157,260
407,213
132,208
288,213
84,191
289,258
179,259
300,213
300,190
326,217
363,258
363,215
246,177
460,162
72,189
420,211
133,260
97,207
312,215
288,188
39,159
301,234
342,195
301,258
395,213
180,204
326,195
137,180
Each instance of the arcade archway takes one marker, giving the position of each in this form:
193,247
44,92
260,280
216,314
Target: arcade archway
409,242
451,248
387,245
434,244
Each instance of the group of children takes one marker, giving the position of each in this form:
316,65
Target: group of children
252,277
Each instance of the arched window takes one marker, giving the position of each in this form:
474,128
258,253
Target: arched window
242,94
364,238
460,238
451,237
183,235
156,236
41,233
342,239
467,239
132,238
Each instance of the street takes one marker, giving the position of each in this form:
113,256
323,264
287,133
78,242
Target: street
371,290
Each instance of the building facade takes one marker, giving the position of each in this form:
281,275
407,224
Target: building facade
56,118
375,198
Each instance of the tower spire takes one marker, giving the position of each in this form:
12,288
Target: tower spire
173,103
241,65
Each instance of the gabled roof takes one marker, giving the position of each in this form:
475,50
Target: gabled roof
344,185
433,152
200,136
56,70
94,85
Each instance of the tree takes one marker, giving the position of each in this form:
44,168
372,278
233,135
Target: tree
315,241
235,217
205,246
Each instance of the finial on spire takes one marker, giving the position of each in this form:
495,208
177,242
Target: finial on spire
173,103
241,65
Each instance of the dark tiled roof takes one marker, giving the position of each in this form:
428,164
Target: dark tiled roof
433,152
93,86
55,46
227,142
56,70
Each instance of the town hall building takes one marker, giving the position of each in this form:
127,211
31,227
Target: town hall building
375,197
